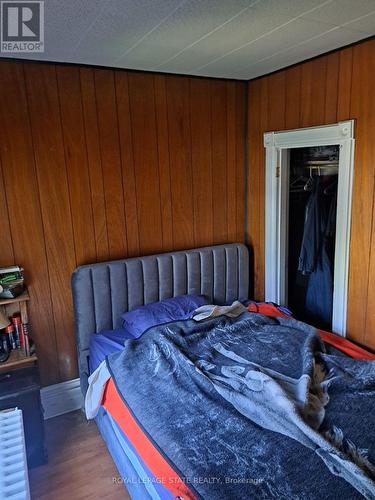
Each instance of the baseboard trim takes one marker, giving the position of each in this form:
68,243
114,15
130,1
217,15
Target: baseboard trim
61,398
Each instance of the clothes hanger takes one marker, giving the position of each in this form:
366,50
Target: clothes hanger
300,178
297,185
310,181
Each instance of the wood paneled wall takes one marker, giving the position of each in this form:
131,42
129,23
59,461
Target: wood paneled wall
334,87
100,164
97,164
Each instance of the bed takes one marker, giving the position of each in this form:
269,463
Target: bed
103,291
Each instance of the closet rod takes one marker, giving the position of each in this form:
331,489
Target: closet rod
323,169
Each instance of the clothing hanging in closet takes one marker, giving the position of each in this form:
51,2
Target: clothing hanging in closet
317,254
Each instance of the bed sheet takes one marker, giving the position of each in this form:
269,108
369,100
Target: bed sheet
104,343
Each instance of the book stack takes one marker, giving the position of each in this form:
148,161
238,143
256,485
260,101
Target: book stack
11,282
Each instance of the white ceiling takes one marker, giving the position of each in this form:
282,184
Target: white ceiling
220,38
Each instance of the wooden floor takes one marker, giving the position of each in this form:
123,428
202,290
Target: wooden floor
79,465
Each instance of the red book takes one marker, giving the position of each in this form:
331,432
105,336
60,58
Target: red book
19,329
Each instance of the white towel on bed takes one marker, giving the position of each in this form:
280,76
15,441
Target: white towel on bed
211,311
94,395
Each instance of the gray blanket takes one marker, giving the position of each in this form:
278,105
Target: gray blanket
252,407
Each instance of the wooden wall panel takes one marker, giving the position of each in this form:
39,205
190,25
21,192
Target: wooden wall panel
72,122
97,164
240,138
45,118
292,97
276,101
105,92
164,161
24,215
344,83
262,181
219,160
145,151
253,188
178,98
331,91
7,254
333,87
90,118
362,106
231,161
313,92
127,159
201,153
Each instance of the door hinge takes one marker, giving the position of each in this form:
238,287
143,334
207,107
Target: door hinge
277,171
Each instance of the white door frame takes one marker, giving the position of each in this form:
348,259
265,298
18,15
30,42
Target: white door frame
277,146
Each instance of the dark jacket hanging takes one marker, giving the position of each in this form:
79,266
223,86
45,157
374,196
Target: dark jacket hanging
316,257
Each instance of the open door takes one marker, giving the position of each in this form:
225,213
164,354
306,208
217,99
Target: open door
336,142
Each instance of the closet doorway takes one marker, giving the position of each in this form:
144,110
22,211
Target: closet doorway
309,176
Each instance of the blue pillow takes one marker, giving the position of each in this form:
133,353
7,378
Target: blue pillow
141,319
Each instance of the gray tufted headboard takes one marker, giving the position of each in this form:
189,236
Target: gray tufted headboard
103,291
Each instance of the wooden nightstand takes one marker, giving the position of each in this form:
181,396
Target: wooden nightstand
20,387
17,358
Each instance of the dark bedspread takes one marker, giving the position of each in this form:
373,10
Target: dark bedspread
252,407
